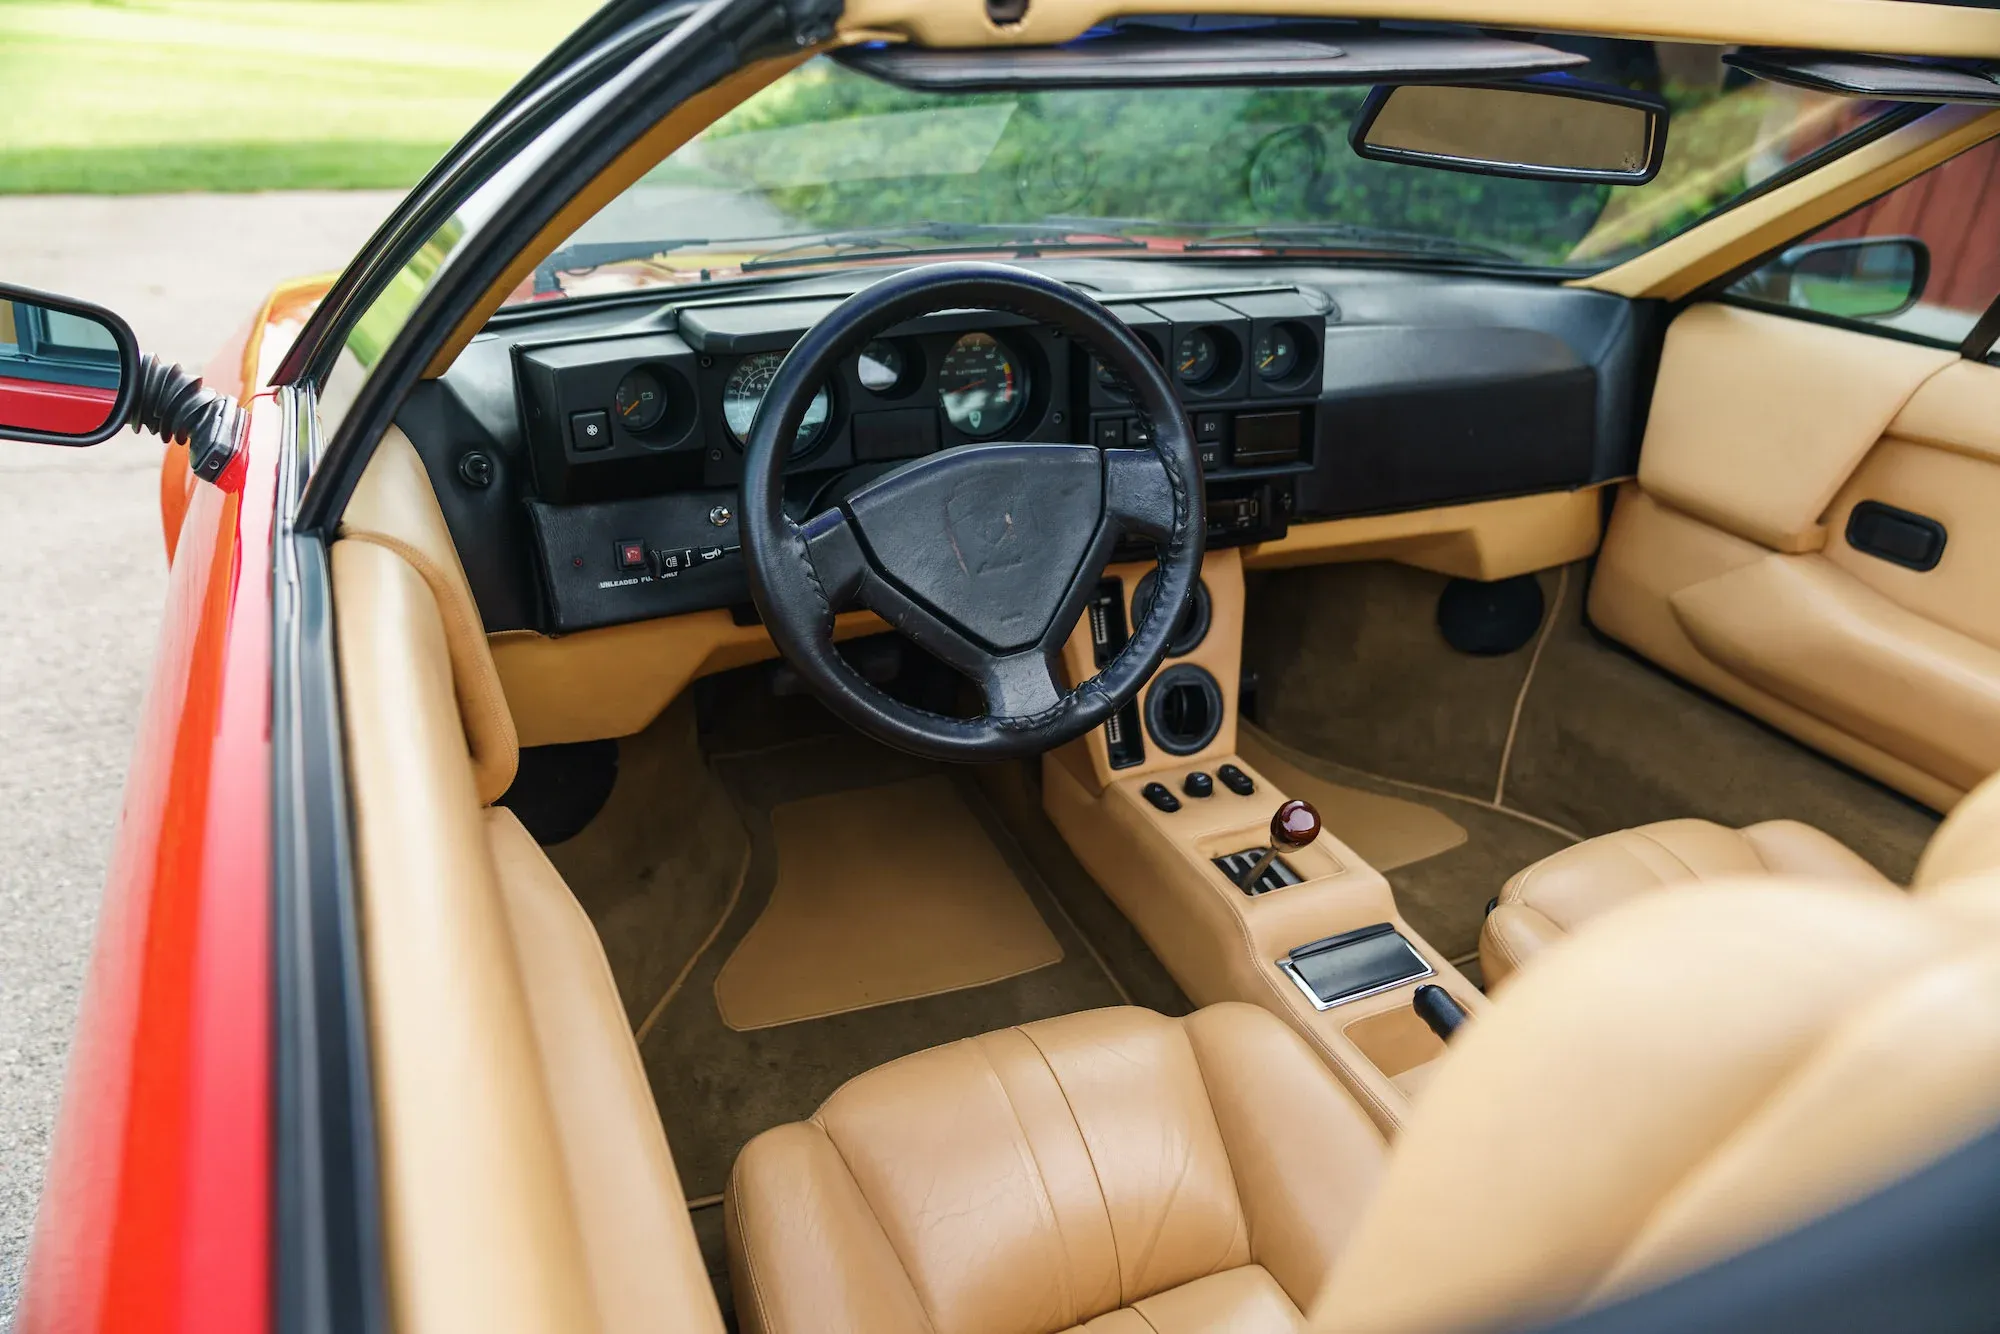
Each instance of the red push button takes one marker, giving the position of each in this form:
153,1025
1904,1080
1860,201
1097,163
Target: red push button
631,554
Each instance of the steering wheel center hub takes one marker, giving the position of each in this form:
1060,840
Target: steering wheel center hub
989,537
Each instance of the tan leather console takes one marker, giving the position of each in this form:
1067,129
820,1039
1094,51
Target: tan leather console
1221,944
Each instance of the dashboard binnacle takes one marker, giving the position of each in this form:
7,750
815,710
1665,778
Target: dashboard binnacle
608,418
588,458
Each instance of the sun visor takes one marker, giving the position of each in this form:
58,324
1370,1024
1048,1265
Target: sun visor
1892,78
1145,56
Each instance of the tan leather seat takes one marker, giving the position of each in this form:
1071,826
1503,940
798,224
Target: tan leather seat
1547,901
1653,1096
1113,1167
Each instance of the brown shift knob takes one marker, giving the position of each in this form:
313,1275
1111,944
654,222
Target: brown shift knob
1295,826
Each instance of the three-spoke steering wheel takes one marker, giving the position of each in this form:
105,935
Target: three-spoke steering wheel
984,555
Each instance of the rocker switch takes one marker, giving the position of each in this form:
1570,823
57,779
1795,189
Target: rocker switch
1236,780
1161,798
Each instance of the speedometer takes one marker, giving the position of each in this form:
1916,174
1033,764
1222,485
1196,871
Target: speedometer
981,385
744,394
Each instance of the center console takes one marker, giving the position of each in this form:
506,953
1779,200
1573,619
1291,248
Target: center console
1313,934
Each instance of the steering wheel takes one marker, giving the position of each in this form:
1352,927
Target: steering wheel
985,554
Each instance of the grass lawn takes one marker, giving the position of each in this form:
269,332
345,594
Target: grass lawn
131,96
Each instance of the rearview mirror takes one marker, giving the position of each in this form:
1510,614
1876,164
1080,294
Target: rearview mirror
68,370
1550,129
1859,278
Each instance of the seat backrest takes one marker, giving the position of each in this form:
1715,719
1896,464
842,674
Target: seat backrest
395,507
1967,843
526,1181
1694,1074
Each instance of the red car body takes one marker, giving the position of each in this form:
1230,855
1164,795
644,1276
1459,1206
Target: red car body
63,409
156,1211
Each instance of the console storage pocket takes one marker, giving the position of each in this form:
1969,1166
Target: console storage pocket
1354,964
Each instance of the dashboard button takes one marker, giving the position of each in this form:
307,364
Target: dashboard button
1109,432
1198,784
667,564
1157,794
1211,455
590,430
1138,431
1209,427
631,554
1236,780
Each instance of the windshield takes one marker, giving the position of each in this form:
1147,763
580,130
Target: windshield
831,166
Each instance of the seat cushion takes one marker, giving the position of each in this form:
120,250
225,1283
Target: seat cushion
1202,1172
1559,893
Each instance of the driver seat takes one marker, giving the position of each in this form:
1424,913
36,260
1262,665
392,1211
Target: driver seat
1693,1074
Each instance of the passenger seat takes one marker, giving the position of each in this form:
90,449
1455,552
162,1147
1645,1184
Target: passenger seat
1555,897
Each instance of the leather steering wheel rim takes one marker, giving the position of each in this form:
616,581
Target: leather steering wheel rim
961,550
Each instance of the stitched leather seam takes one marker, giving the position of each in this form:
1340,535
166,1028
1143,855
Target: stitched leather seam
875,1216
1682,861
490,714
1102,1195
735,1194
1066,1289
1242,1216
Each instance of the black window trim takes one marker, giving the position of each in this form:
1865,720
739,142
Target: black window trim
327,1265
719,38
1717,289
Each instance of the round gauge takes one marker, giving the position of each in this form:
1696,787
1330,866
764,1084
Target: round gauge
881,367
744,394
1277,353
641,401
981,385
1196,356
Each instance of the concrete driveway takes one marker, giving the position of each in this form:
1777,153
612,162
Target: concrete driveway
82,573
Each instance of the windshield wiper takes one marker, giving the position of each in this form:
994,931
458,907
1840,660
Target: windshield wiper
1024,240
583,256
1318,237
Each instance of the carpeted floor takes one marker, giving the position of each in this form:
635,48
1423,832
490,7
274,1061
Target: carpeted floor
683,860
1604,740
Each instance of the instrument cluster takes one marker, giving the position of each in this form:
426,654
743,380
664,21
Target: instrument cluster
668,403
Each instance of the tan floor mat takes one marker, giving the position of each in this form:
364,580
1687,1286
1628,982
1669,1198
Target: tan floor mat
883,894
1387,831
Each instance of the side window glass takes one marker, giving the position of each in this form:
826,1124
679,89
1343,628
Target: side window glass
1920,259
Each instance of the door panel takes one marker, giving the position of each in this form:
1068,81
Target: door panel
1729,561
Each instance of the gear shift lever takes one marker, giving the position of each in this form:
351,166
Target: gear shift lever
1293,827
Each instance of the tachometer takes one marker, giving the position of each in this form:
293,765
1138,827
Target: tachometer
981,385
744,394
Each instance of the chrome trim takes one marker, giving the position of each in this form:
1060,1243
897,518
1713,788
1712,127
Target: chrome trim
1285,966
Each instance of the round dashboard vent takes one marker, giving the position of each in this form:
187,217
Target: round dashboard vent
1183,709
1190,629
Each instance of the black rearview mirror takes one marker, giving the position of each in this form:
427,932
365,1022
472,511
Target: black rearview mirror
1550,129
68,370
1857,278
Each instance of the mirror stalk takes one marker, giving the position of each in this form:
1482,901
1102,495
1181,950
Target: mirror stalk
176,406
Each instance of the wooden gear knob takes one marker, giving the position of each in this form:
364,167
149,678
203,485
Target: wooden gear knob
1294,826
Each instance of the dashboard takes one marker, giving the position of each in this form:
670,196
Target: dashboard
588,459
